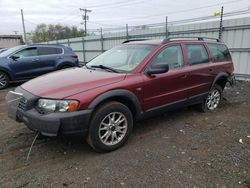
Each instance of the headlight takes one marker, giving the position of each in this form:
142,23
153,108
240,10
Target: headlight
47,105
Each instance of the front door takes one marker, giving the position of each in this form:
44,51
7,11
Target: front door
169,87
25,63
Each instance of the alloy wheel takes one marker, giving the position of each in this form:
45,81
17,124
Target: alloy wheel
3,81
213,99
113,128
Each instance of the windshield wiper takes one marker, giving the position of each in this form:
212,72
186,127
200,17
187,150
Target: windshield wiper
104,67
88,67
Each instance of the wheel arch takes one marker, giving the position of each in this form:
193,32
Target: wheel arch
221,79
125,97
66,63
7,73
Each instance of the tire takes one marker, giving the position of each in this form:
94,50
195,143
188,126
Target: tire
4,80
65,67
213,99
103,122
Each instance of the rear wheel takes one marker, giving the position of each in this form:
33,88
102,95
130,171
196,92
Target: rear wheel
4,80
213,99
66,67
110,127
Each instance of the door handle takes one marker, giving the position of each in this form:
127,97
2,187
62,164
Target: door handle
35,59
183,76
210,70
59,57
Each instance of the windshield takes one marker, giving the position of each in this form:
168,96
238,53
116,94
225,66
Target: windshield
10,51
124,58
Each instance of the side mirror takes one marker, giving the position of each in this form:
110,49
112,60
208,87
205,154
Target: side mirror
158,68
15,57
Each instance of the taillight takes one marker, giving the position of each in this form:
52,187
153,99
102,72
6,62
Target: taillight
74,56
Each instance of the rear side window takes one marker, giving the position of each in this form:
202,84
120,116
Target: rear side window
197,54
49,50
219,52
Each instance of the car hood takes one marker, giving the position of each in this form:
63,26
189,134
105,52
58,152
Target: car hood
64,83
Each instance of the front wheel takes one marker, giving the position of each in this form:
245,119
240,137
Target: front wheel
213,99
110,127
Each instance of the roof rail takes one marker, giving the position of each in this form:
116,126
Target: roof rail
189,37
45,44
132,40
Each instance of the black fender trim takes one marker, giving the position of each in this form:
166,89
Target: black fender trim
116,94
219,76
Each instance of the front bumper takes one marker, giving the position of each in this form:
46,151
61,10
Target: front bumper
21,108
56,123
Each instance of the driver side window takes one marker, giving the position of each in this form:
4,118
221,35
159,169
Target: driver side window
28,52
172,56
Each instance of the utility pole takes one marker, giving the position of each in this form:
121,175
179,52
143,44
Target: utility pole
85,18
24,31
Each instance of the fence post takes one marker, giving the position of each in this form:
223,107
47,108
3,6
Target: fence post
83,51
127,35
102,45
221,23
68,43
166,27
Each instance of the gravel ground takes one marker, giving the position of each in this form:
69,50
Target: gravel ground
184,148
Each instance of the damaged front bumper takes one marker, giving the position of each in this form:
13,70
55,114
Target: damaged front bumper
21,108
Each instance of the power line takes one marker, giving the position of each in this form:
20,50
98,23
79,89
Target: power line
185,10
102,24
110,4
115,5
185,21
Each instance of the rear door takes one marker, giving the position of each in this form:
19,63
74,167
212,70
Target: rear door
49,57
170,87
221,58
201,70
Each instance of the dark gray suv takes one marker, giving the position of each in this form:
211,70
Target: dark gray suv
29,61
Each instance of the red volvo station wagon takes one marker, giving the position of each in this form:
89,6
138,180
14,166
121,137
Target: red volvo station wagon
103,100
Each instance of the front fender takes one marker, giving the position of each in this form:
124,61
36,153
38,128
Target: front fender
128,95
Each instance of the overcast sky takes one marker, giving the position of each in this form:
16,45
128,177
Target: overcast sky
109,13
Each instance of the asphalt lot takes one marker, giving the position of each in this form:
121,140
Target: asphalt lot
184,148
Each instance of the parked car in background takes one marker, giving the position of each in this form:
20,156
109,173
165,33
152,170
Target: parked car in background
29,61
3,49
103,100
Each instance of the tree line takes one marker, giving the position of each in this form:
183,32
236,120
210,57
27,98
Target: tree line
43,33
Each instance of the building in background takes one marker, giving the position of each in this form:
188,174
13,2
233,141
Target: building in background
7,41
